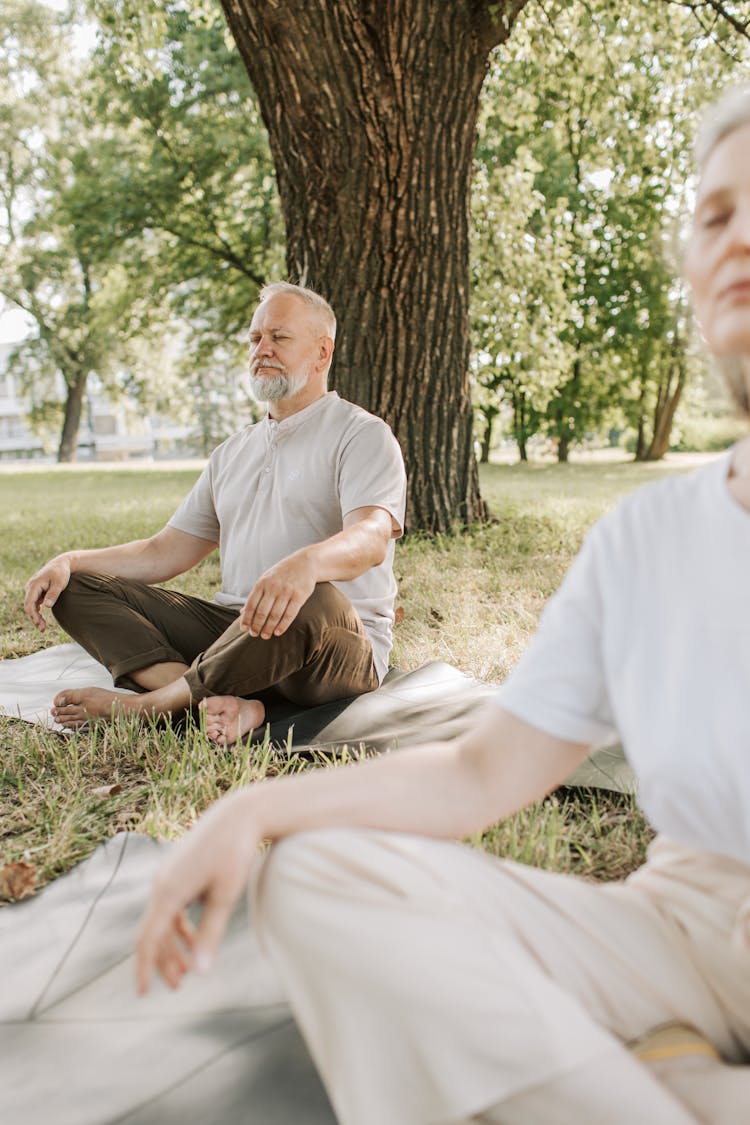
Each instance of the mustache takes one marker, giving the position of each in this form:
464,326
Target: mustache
256,365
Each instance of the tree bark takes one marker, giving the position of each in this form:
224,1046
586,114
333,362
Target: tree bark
68,448
489,413
484,456
371,110
667,401
520,426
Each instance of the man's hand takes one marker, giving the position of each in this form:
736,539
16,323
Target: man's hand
277,596
44,588
210,865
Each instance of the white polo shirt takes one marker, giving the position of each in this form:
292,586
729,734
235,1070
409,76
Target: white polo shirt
276,487
648,640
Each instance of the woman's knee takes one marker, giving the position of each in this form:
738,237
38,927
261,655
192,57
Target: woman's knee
287,884
300,877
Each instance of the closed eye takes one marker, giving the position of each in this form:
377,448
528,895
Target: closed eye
717,219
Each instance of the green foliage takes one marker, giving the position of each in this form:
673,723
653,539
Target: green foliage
520,305
707,434
140,209
583,182
47,266
139,213
195,170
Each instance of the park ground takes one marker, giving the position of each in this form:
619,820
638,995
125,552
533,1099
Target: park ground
471,599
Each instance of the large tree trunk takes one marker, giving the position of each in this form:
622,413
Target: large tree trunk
371,109
68,448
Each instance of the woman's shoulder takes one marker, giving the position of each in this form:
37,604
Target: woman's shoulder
677,493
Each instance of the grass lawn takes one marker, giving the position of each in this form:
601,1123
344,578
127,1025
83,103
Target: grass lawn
472,600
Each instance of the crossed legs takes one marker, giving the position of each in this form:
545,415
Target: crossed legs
185,651
436,985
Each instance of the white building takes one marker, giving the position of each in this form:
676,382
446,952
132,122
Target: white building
110,431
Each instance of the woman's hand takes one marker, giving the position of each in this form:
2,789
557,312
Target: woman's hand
211,865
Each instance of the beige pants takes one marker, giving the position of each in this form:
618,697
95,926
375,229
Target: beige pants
431,981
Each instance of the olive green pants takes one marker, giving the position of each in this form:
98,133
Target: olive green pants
325,654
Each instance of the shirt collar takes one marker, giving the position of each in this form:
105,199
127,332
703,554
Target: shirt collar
287,425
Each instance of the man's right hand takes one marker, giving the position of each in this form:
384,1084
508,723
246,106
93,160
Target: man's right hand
44,588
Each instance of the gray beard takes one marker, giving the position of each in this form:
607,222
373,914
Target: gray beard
273,388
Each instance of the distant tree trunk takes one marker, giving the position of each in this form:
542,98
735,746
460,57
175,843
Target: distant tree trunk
486,441
667,401
520,428
640,438
68,448
663,422
564,413
371,112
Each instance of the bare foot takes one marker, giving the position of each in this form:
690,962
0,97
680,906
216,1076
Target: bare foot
229,717
75,706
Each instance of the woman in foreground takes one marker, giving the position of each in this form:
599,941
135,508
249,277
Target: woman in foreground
434,984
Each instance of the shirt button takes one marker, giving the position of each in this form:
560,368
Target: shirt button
268,468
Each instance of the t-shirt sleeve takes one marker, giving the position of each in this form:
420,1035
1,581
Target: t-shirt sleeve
196,514
559,685
371,473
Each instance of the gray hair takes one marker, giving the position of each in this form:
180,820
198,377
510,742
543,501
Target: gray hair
318,304
730,112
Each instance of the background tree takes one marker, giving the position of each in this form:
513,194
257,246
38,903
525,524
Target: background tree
47,267
196,174
141,216
608,119
371,111
519,300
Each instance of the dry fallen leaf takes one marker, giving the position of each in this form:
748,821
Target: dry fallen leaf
107,790
17,880
399,615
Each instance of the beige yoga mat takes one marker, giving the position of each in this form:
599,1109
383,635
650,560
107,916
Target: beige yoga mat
434,701
77,1047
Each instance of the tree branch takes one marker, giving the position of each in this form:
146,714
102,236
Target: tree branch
720,10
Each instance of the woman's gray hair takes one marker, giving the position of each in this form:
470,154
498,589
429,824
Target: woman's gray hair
730,112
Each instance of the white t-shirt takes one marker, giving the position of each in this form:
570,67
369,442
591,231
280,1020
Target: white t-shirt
275,487
648,640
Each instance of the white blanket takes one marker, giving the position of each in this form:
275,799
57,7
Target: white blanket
29,684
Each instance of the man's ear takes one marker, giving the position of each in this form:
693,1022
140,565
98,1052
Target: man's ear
325,350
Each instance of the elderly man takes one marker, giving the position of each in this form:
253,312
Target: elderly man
303,506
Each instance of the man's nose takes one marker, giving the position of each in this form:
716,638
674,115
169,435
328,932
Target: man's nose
264,346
